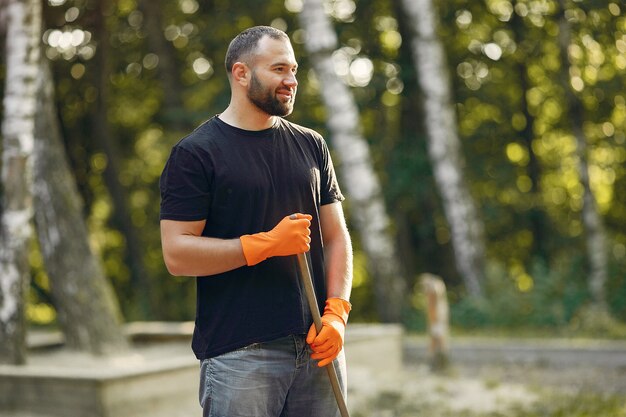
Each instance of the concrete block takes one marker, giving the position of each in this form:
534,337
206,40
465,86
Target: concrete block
377,347
157,378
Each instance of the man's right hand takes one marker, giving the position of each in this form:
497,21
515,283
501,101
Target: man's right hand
289,237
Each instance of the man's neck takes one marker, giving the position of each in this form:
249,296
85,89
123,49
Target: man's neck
248,119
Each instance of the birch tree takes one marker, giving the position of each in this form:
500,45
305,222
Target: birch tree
367,206
444,148
592,222
23,34
86,306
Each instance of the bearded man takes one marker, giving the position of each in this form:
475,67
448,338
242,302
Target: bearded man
240,195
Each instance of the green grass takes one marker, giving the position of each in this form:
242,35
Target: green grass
581,405
548,405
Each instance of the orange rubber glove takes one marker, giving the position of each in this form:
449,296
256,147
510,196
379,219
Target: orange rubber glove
328,343
288,237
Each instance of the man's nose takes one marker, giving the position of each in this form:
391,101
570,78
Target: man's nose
291,80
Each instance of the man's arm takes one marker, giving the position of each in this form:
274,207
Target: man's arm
327,344
187,253
337,251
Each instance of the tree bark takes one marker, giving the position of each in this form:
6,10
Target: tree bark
22,56
537,216
173,113
23,23
105,140
592,221
367,206
86,306
444,146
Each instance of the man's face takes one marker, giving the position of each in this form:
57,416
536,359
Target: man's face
266,97
273,81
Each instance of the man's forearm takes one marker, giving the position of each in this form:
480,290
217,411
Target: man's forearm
338,254
189,255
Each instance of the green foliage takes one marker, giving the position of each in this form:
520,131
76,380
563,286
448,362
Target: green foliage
542,298
554,299
549,405
597,322
362,297
505,69
616,289
580,405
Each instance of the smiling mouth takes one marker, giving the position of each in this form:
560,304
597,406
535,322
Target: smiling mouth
288,95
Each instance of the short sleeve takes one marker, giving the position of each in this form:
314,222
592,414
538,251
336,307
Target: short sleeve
329,186
185,187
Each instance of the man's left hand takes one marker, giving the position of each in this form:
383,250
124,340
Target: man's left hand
328,343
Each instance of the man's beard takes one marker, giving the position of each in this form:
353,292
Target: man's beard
266,100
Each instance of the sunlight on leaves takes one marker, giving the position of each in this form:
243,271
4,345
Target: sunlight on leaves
188,6
40,314
294,6
517,154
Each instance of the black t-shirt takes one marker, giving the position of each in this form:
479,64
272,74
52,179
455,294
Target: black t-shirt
244,182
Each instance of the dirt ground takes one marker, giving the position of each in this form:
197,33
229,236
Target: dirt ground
476,384
478,387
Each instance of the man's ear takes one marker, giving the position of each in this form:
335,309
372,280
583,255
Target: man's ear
240,73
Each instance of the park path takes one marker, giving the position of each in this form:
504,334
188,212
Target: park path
389,374
489,375
598,365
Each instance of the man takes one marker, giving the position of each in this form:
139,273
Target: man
229,191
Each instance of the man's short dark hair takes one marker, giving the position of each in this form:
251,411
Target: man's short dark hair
246,42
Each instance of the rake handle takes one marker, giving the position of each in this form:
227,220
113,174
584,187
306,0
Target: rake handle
307,283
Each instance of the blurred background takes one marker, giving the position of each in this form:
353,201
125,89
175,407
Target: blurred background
133,77
479,141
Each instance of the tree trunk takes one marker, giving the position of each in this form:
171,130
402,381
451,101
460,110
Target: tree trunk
140,281
367,206
537,216
22,56
594,229
86,306
444,145
173,113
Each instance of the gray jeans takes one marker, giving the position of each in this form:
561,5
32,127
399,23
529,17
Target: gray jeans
272,379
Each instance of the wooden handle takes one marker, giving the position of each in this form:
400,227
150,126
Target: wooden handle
309,290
